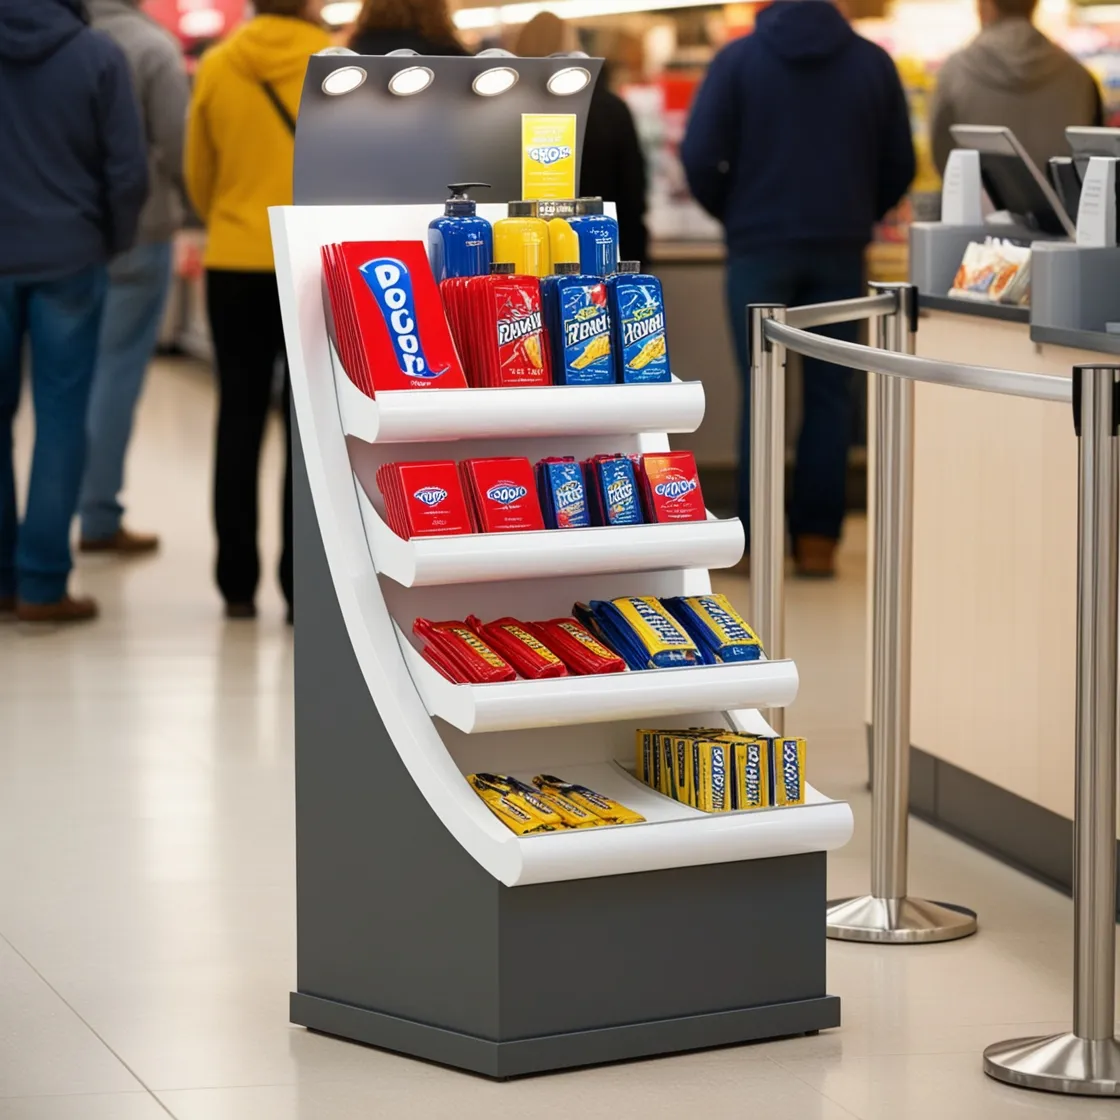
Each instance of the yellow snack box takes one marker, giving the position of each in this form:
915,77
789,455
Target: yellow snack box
668,784
643,760
752,773
713,773
787,772
604,807
684,748
513,816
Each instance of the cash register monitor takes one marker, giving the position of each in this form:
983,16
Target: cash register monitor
1086,142
1013,182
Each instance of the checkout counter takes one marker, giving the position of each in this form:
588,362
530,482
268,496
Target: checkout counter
995,504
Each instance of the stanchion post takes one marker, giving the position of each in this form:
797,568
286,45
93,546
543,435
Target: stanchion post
1086,1062
887,914
768,490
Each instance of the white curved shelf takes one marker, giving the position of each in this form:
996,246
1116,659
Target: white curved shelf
434,415
566,701
498,557
674,835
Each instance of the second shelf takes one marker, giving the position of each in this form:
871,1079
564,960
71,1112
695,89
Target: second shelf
566,701
497,557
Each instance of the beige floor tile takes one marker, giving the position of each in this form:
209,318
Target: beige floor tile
45,1048
118,1106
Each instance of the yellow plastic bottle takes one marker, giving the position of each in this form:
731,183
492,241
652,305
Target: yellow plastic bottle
523,240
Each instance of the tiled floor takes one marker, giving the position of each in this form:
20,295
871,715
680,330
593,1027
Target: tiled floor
146,869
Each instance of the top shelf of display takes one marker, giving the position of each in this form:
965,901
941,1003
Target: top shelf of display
431,415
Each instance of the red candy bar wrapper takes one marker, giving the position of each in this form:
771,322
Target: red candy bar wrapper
405,342
532,659
577,647
455,645
504,494
443,665
671,487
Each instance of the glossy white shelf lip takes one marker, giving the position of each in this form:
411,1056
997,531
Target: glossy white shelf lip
567,701
431,415
674,835
497,557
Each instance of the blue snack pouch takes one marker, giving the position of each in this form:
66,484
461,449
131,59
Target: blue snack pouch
637,310
581,331
616,500
563,497
644,633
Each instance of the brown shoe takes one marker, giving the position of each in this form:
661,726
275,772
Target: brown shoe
123,541
240,611
7,605
815,557
62,611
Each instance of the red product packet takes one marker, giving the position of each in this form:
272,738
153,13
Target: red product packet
401,333
424,499
671,487
577,647
503,493
532,659
456,649
521,347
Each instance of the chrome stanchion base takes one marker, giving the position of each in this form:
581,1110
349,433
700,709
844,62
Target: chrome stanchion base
1062,1063
898,921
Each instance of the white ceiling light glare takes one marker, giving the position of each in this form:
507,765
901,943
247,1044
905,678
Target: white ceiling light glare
345,79
569,81
411,81
341,12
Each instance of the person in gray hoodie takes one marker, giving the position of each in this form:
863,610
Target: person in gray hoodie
1012,75
139,278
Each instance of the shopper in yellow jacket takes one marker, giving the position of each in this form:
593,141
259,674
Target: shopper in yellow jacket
240,144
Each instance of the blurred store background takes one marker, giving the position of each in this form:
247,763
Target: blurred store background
658,51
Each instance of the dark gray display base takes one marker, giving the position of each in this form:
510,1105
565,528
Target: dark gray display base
564,1051
398,926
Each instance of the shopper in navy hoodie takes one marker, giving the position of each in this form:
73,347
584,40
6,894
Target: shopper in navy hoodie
75,175
799,141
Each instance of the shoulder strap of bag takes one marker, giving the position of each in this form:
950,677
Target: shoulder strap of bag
280,107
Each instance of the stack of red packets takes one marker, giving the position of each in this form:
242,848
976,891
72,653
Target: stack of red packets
498,324
477,652
388,320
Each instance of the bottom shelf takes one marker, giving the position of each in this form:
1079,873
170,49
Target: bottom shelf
674,835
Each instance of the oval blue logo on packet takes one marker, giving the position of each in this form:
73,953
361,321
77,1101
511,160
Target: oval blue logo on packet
676,488
430,495
390,283
506,493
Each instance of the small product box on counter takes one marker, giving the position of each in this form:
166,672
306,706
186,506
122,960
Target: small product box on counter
389,321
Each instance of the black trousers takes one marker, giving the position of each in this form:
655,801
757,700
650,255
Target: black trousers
248,335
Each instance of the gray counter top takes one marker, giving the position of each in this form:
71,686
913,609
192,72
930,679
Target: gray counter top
979,308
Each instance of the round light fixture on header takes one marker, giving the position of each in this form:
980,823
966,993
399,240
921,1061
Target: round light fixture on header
569,81
491,83
411,80
345,79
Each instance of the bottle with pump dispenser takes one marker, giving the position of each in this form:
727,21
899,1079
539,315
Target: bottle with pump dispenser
460,243
637,310
522,240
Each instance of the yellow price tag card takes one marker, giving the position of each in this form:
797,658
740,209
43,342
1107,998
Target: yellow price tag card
548,155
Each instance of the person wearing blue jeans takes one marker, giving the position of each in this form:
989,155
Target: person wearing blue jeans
793,277
139,279
139,282
75,177
799,142
61,320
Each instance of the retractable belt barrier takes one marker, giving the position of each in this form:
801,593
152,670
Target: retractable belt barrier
1086,1061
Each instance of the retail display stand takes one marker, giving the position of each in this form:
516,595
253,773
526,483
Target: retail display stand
427,927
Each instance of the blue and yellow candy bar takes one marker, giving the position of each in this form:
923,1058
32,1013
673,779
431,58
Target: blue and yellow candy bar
716,627
644,633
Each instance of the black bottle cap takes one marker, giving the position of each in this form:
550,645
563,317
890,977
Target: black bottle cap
586,206
630,268
566,268
523,209
503,268
459,205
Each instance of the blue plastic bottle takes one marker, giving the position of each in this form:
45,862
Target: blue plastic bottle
460,243
637,309
598,237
